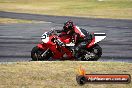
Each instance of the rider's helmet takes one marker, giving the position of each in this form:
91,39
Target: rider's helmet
68,25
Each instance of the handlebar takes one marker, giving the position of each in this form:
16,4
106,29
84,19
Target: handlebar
55,35
53,32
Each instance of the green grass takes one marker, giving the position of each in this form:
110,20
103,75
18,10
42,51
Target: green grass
58,74
9,20
82,8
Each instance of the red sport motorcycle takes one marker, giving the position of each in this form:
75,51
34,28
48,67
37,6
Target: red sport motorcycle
55,46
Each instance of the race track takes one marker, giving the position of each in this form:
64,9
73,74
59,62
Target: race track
17,40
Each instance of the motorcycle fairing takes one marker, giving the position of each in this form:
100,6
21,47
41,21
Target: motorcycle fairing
55,50
91,43
41,46
45,37
97,38
60,51
65,39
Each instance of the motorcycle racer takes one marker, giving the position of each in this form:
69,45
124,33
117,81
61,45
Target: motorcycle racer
80,36
70,43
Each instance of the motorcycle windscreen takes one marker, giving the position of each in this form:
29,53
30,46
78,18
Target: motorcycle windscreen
99,37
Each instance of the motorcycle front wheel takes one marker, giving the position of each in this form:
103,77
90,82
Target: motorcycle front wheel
36,54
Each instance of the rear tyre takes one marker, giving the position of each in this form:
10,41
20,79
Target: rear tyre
97,50
92,54
36,54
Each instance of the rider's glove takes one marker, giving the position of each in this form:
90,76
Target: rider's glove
58,31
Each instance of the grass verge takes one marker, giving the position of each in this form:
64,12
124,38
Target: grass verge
58,74
9,20
82,8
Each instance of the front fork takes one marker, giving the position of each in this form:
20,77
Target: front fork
41,46
44,53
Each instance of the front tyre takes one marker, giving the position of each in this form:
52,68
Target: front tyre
36,54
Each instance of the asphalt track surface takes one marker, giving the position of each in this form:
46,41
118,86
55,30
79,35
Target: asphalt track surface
17,40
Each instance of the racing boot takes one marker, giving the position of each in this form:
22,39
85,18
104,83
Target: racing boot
78,48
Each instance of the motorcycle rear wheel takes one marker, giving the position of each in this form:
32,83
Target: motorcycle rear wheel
92,54
36,54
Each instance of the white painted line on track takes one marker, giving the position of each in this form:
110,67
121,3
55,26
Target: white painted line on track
111,26
93,25
43,22
126,27
11,37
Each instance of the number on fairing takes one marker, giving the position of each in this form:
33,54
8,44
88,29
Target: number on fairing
45,37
